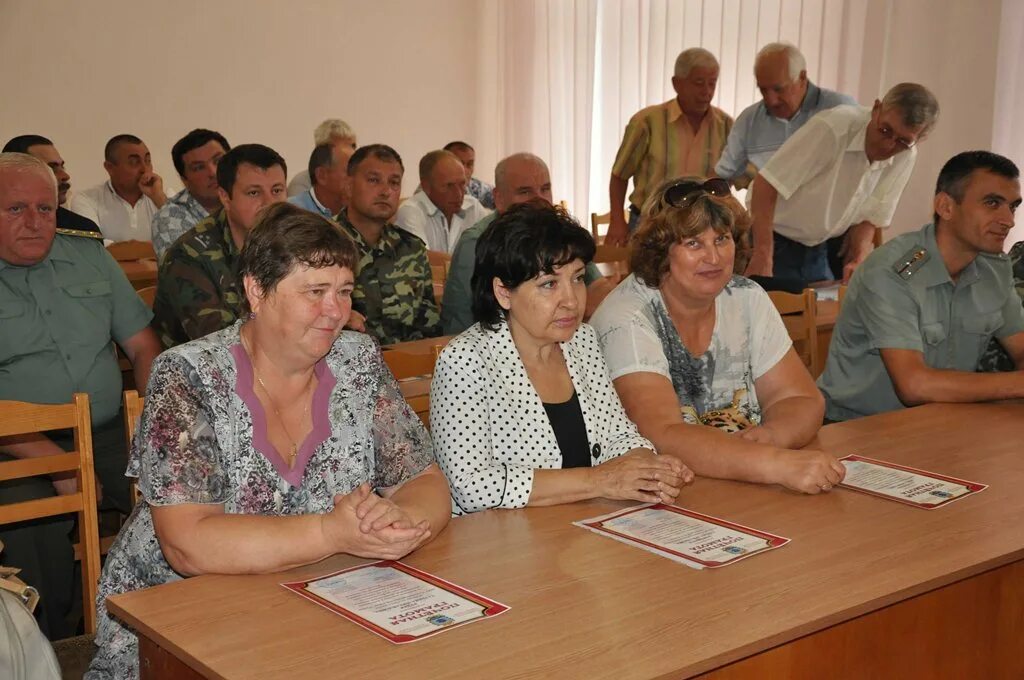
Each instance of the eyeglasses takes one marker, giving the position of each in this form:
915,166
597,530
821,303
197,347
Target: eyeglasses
683,192
890,135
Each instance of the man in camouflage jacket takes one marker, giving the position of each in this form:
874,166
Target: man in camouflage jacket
198,290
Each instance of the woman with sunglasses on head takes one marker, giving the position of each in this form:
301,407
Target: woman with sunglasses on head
701,358
521,408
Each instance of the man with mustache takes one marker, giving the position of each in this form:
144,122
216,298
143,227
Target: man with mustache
921,310
68,223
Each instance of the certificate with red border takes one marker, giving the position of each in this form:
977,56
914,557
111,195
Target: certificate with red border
904,484
696,540
397,602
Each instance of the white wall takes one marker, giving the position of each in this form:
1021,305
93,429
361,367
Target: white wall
402,72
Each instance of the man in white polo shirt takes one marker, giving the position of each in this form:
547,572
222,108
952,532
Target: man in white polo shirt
818,200
442,211
124,205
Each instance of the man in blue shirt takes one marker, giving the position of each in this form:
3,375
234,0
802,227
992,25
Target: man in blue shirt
329,175
789,101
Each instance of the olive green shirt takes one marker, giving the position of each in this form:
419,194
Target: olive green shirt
903,297
57,320
394,289
457,302
198,290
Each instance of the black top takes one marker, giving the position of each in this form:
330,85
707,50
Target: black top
570,431
72,220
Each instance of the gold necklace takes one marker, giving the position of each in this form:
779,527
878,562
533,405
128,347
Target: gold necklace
252,360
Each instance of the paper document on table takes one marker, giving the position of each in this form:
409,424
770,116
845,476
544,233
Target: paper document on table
908,485
396,601
684,536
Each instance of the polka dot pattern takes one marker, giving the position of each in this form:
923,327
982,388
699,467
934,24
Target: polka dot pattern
489,426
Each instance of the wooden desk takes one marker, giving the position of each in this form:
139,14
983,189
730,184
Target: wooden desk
867,588
424,346
141,273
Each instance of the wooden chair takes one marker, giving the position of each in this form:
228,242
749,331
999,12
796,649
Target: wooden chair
799,312
440,263
842,295
23,418
597,220
133,404
148,295
615,260
127,251
407,365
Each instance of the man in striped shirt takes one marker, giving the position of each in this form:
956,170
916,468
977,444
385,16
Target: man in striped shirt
683,136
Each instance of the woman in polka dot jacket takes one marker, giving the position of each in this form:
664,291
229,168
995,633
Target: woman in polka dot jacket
522,409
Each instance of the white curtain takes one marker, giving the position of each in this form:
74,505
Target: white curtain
1007,132
572,72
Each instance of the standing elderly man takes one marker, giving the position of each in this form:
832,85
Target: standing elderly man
198,291
64,302
124,205
443,210
788,101
520,178
68,222
195,157
328,168
683,136
817,202
922,309
333,131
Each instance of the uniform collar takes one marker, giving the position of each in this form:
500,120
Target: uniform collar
934,272
390,235
221,220
59,252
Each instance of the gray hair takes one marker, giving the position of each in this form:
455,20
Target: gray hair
693,58
917,105
502,167
794,57
22,162
331,128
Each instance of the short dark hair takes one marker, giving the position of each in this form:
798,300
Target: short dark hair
527,240
322,157
263,157
285,236
381,152
457,146
116,141
193,140
956,173
22,143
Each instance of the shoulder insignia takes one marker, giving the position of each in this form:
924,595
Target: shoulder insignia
910,262
79,232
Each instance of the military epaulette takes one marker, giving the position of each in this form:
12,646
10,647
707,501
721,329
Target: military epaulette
910,262
79,232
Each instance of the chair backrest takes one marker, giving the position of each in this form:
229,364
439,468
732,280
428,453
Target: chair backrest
597,220
126,251
842,295
148,294
799,313
616,259
440,263
406,365
18,417
133,404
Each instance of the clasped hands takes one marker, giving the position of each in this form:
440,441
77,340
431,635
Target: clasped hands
366,525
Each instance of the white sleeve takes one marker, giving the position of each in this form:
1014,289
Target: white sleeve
460,426
627,336
410,218
769,339
810,150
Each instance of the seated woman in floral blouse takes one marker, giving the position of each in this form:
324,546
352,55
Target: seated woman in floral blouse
274,443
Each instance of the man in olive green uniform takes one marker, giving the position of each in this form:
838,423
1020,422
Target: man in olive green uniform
922,309
394,291
63,302
198,291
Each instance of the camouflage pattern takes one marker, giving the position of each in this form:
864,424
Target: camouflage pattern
995,357
179,214
198,290
394,289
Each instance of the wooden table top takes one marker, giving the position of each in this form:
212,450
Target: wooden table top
424,346
141,273
601,609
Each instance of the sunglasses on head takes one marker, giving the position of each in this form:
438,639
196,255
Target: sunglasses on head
683,192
